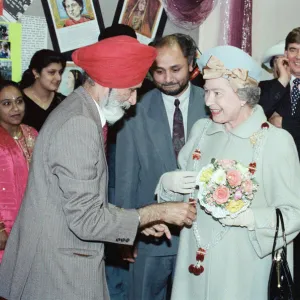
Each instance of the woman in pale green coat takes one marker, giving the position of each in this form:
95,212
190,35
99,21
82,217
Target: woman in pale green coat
238,251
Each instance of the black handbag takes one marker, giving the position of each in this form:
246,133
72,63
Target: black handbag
281,285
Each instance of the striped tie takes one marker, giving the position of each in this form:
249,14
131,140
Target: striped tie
104,132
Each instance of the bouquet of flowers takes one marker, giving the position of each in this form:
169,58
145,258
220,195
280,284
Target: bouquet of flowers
226,187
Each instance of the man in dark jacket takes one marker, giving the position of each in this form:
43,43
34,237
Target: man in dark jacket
280,99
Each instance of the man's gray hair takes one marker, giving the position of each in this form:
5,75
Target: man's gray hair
86,79
250,94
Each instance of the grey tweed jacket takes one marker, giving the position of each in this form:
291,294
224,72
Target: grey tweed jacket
55,250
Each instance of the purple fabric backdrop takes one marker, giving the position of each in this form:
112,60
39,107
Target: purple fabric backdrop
188,14
236,24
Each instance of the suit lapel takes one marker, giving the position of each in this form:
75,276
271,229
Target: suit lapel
94,114
285,105
159,132
92,108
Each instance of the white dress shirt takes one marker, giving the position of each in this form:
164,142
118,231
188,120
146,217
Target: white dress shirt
291,81
101,114
184,107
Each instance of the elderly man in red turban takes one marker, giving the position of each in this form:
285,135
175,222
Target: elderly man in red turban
55,250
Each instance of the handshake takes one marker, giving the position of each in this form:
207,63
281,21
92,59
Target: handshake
154,217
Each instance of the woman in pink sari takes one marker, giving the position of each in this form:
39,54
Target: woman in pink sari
16,147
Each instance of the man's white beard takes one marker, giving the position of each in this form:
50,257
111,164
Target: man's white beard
113,109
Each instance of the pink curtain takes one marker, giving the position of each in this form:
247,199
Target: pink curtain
236,24
188,14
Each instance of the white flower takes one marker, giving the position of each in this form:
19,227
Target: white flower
203,188
244,170
219,176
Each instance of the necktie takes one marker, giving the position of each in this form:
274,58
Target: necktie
295,96
178,129
104,132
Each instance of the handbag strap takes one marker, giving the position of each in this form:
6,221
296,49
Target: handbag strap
279,219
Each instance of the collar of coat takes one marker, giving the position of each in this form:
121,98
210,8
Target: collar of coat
245,129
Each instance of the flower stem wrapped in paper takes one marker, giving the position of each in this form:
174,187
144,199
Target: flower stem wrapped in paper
226,188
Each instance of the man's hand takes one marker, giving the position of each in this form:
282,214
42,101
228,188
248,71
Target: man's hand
276,120
182,182
157,230
3,238
176,213
128,253
284,74
179,213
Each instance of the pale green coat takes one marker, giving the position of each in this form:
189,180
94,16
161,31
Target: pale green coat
238,266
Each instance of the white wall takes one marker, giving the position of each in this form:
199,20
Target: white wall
272,20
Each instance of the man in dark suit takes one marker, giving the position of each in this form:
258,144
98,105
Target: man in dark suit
280,99
147,146
116,268
276,100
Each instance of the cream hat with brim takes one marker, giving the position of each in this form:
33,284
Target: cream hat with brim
276,50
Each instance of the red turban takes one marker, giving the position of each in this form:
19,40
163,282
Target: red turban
117,62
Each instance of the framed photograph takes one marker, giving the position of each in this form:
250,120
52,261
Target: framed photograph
73,23
146,17
71,79
6,69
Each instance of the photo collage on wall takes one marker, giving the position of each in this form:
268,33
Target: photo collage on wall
5,52
13,10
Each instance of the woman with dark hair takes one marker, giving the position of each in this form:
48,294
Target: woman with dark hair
74,9
39,84
74,79
16,147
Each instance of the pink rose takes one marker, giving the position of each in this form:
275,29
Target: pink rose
238,195
247,186
221,194
226,163
234,178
